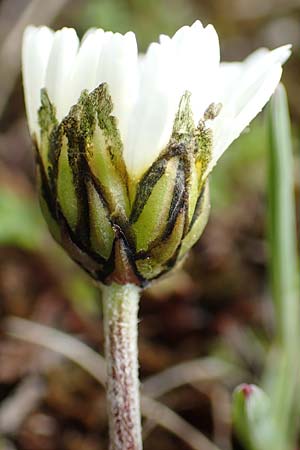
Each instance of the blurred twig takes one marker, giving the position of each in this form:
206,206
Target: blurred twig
16,407
189,372
168,419
221,414
59,342
37,12
220,400
198,370
94,364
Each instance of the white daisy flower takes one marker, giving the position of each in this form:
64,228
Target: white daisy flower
125,143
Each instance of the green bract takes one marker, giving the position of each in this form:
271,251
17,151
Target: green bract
117,228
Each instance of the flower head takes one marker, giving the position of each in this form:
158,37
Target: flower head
125,143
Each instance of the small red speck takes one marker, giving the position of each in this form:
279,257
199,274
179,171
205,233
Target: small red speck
247,390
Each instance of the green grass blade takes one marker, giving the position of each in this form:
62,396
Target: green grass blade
265,421
281,375
282,223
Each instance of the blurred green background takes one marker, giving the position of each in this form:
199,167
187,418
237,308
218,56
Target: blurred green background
217,306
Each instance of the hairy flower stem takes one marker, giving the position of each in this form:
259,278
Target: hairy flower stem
120,309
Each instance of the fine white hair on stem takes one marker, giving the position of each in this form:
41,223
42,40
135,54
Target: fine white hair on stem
146,91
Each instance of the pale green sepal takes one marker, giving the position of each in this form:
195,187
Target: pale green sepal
184,126
193,191
104,149
101,232
66,192
162,254
204,144
47,123
166,250
197,143
198,226
102,167
51,222
153,219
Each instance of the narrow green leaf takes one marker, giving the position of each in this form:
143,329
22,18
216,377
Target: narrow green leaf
282,371
282,223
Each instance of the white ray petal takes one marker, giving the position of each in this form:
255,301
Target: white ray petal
152,118
251,86
164,39
37,44
229,74
188,61
199,57
60,65
197,26
206,72
118,66
84,74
